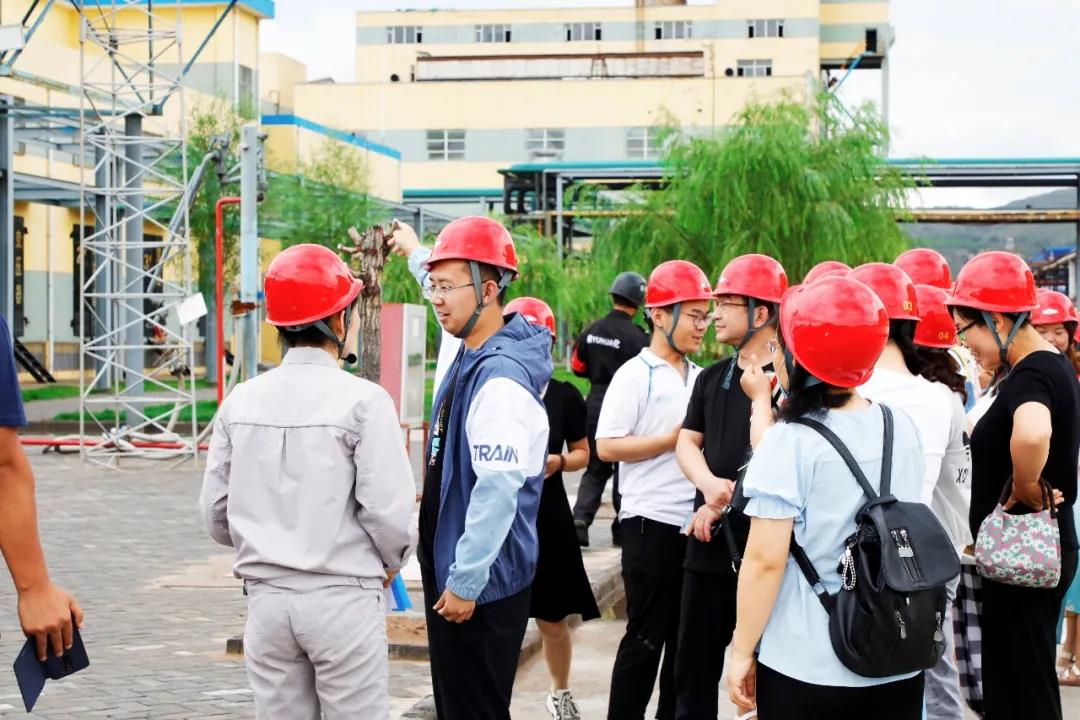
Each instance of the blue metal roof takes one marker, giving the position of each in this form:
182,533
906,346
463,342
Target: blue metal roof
416,193
345,137
262,8
588,165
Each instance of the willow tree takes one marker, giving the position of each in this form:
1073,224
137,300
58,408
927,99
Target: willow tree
800,181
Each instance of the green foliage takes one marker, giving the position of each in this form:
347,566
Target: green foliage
800,182
208,121
322,199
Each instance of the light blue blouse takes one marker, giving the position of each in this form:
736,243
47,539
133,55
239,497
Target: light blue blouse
795,473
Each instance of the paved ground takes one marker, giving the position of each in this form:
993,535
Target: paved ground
160,603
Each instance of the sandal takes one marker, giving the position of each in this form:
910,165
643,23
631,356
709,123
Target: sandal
1068,673
748,716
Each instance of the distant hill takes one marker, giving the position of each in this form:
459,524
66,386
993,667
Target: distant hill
960,242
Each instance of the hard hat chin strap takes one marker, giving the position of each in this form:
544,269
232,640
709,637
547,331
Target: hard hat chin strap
478,288
751,308
676,310
1003,347
323,328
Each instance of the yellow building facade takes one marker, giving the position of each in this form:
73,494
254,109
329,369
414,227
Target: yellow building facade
462,94
229,67
47,73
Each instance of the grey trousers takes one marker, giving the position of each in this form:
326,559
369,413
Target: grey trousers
317,654
943,700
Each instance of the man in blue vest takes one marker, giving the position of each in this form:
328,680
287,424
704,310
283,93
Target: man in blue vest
483,475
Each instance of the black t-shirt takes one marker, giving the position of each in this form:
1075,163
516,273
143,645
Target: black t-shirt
566,415
1047,378
433,468
723,417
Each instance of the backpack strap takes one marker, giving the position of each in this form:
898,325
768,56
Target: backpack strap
801,558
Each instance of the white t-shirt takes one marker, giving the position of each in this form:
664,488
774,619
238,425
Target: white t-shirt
951,500
928,404
647,397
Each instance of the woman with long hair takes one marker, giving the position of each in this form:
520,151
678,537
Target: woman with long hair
831,333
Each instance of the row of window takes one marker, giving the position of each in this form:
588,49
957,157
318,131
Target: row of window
585,31
641,143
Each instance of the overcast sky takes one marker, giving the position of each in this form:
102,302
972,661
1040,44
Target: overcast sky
969,78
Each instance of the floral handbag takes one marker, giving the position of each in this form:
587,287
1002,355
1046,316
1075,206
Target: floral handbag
1021,550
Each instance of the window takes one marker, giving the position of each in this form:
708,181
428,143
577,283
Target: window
643,143
246,101
754,68
492,33
764,28
446,144
546,141
577,32
398,34
674,30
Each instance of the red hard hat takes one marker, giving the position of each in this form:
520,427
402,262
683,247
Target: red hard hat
475,238
756,276
305,283
935,328
1054,307
825,269
995,281
836,328
676,281
893,286
926,267
534,310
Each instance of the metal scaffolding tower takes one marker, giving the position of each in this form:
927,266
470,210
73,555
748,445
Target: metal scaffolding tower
136,266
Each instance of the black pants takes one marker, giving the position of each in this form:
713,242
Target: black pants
1019,640
652,558
473,664
780,697
591,488
706,624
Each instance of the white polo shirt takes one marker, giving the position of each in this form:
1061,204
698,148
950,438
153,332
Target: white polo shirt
649,397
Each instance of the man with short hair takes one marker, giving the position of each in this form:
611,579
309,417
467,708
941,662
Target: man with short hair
308,479
485,467
639,424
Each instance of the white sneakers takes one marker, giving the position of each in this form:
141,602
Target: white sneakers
561,705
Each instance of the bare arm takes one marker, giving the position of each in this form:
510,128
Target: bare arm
1029,446
760,576
717,490
45,610
634,448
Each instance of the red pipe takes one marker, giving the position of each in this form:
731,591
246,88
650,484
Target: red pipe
219,289
53,442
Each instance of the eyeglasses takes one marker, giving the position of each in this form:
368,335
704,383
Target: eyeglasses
431,292
722,307
699,321
960,332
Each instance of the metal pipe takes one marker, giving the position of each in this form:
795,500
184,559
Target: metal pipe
219,289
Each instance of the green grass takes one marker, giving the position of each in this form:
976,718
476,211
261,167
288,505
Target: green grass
56,391
204,413
51,391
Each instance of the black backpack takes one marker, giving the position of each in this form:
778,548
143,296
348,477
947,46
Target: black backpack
887,618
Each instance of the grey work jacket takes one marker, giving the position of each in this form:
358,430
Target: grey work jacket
307,477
